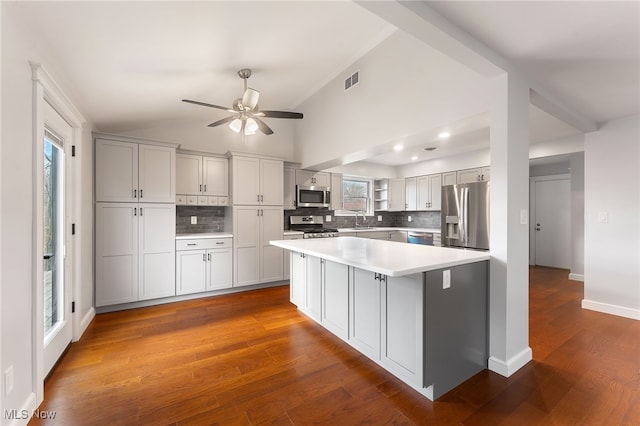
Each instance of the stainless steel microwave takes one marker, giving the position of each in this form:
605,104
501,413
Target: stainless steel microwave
313,196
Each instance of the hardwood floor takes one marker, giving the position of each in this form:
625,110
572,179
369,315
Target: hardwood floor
251,358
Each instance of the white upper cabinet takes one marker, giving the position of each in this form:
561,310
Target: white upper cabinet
133,172
188,174
473,175
156,174
289,187
313,178
429,192
396,195
203,176
411,194
215,176
116,171
257,181
449,178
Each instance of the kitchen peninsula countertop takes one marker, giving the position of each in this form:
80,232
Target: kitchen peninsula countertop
387,257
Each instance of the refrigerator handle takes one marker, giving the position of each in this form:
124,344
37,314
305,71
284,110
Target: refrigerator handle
464,213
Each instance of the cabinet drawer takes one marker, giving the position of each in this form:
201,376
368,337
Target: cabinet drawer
204,243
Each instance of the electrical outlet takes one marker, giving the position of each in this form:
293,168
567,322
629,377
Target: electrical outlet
327,218
379,218
446,279
194,220
409,218
8,380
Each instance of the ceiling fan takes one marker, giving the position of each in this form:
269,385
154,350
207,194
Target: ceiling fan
246,118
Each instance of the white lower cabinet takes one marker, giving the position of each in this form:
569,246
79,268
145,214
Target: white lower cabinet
335,299
298,282
364,312
402,331
313,291
203,264
135,252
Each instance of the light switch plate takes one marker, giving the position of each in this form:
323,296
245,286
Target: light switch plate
446,279
524,217
409,218
194,220
327,218
379,218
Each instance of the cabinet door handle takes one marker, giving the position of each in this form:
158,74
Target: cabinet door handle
200,188
262,198
192,244
135,211
204,257
209,257
140,211
219,242
205,188
135,193
141,193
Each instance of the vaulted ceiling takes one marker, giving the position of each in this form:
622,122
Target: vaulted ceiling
132,62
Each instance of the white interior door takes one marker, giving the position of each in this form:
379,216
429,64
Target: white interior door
56,207
552,227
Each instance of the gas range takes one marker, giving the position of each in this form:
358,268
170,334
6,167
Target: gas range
312,226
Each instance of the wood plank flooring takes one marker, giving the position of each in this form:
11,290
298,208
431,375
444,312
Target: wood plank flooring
251,358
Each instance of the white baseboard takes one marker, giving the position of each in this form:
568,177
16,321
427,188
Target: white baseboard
576,277
22,415
514,364
85,321
621,311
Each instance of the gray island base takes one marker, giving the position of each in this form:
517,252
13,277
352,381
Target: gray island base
420,312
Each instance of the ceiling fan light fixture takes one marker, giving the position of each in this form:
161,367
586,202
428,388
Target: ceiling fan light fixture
250,127
236,125
250,98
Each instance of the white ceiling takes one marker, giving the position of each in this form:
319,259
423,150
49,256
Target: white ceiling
130,63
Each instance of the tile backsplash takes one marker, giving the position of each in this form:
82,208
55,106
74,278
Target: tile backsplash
210,219
401,219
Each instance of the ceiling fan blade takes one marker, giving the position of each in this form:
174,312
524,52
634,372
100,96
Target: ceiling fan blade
250,98
224,120
281,114
263,126
207,105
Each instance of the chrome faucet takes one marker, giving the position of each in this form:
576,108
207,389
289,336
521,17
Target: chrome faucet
364,218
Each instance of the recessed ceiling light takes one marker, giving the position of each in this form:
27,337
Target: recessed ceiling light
398,147
414,158
444,135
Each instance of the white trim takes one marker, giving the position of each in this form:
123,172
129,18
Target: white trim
576,277
512,365
605,308
46,90
28,408
84,323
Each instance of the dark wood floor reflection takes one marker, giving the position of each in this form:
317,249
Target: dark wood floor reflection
251,358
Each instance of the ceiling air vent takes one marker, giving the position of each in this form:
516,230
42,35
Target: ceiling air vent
351,81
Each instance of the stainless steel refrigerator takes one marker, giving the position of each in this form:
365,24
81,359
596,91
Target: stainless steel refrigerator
465,215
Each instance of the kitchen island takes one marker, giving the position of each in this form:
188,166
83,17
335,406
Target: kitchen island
418,311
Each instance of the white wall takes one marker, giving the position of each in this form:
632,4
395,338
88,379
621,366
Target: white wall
366,169
17,341
612,248
387,104
197,136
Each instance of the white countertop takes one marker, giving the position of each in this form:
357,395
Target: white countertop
206,235
387,257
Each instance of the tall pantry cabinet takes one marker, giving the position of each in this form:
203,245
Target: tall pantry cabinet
257,202
134,219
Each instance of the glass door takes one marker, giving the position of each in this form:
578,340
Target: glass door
57,248
53,233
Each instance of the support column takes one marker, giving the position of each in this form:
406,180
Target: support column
509,241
